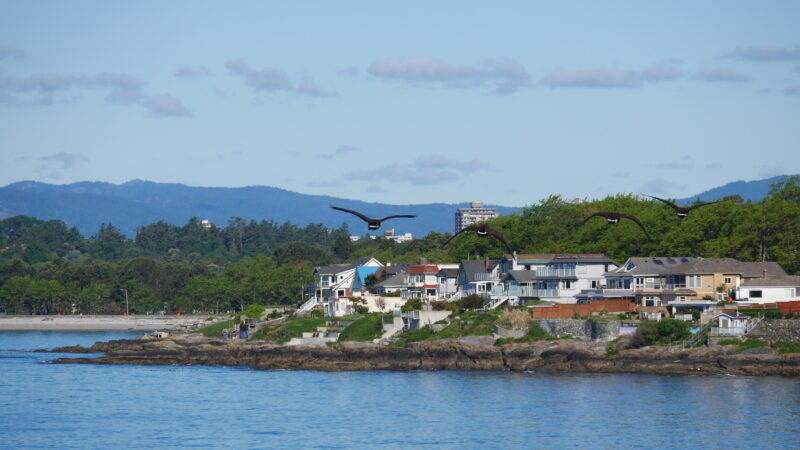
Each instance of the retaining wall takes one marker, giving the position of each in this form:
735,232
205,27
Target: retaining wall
773,330
581,329
567,311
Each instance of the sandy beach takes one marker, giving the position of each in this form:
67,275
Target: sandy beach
100,323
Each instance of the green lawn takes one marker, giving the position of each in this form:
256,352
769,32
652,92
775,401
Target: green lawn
215,330
366,329
283,332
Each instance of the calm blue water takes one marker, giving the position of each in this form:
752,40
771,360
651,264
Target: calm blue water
83,406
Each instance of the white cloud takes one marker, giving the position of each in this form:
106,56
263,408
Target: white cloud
591,77
500,76
425,170
765,54
270,79
166,105
720,76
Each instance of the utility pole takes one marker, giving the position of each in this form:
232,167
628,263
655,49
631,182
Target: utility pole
126,300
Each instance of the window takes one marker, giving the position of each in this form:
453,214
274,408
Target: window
567,284
693,280
527,267
755,294
728,280
340,293
594,284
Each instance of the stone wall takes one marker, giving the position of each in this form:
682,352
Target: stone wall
581,329
773,330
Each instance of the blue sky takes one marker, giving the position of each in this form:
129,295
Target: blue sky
403,102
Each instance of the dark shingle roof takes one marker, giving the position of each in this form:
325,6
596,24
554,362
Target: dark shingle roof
448,273
726,265
650,265
522,276
333,269
776,281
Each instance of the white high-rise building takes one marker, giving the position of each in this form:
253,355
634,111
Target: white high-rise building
475,213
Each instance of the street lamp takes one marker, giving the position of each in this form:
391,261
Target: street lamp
126,300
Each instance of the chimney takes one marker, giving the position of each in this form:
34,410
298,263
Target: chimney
764,275
486,263
423,261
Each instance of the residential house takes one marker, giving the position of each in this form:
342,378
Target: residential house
644,278
731,324
478,276
565,276
421,282
772,289
447,282
334,284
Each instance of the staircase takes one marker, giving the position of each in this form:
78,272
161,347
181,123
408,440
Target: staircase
497,301
309,305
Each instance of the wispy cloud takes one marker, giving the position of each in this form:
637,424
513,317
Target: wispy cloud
65,160
122,89
341,150
664,71
720,76
270,79
792,90
325,184
11,53
166,105
499,76
661,186
191,73
591,77
425,170
765,54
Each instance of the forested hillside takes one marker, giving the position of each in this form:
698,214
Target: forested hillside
46,267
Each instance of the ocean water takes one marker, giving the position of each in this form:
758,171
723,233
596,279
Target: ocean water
46,405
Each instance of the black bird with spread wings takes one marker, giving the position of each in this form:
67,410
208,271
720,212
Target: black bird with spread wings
614,218
372,224
681,211
482,230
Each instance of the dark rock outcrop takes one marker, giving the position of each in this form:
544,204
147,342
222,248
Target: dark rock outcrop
546,356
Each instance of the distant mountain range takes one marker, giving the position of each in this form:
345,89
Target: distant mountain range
86,205
748,190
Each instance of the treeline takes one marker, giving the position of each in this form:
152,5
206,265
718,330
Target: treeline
47,267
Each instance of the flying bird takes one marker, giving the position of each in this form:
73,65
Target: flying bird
482,230
372,224
614,218
681,211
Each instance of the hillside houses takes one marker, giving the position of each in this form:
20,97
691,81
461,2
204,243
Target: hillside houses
649,282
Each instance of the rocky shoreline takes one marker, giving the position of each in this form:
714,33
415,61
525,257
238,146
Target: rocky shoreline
543,356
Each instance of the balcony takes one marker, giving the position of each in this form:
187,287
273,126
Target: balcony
486,277
524,291
552,272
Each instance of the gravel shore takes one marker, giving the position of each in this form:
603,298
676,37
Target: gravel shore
100,323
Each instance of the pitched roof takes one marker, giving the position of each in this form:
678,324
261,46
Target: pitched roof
583,259
448,273
649,265
472,267
522,276
776,281
333,269
427,268
396,280
726,265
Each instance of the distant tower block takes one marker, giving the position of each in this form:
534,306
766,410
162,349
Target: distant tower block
475,213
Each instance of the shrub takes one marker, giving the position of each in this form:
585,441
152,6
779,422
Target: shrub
662,332
611,348
473,301
729,342
417,335
255,311
751,343
414,304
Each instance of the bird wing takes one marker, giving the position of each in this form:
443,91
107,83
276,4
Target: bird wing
396,216
454,236
358,214
638,222
669,203
701,204
597,214
499,236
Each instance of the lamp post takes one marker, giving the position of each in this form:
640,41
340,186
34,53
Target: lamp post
126,300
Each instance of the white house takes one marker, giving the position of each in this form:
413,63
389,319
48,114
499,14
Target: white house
772,289
731,324
333,285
